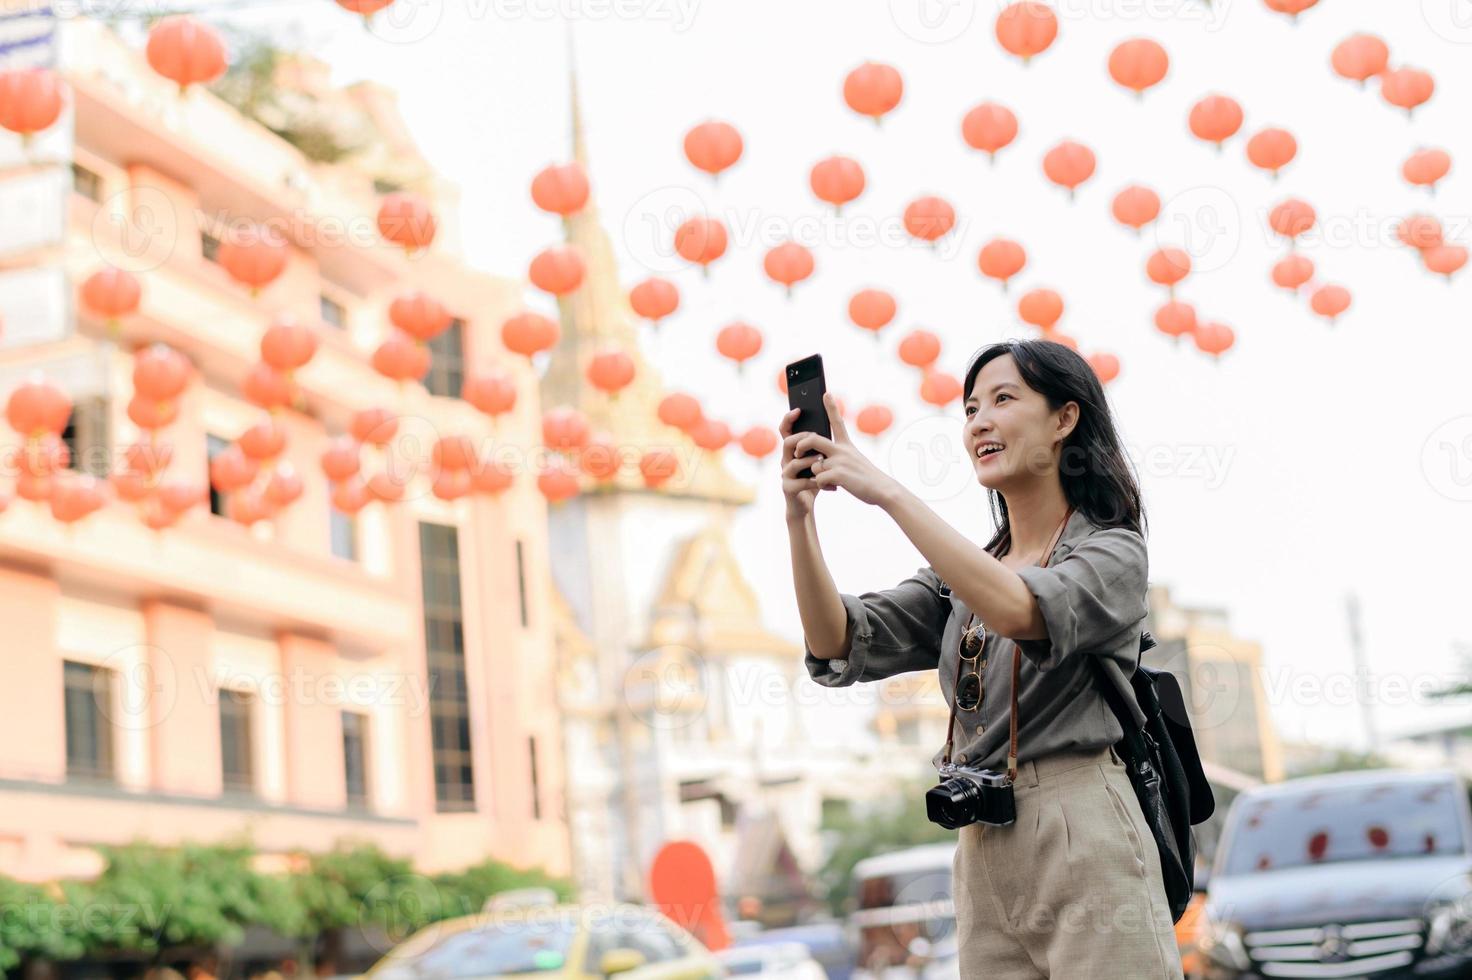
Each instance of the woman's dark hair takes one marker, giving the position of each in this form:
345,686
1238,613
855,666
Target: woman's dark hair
1098,479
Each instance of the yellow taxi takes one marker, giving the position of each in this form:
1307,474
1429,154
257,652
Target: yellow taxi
518,936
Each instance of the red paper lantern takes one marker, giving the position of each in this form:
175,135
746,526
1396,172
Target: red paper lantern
1001,259
1407,88
681,411
1293,271
561,189
405,220
451,484
989,127
1292,218
837,180
75,497
939,388
401,359
351,496
1445,260
654,298
600,458
1069,164
262,441
1330,301
1216,119
1360,57
1272,150
31,100
1135,207
254,257
871,309
1138,64
112,294
287,345
342,459
873,90
920,348
374,426
564,429
713,147
1214,338
739,342
285,486
611,371
490,392
186,51
1168,266
492,478
1425,167
1106,366
529,333
557,483
37,407
558,270
420,315
267,388
1041,307
160,373
873,420
1026,29
711,435
454,452
657,467
758,441
232,469
788,264
1420,231
701,240
929,218
152,415
1176,319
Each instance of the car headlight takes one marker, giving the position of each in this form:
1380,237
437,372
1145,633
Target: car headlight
1451,926
1221,942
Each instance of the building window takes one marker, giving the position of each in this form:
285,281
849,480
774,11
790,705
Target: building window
447,366
214,446
236,762
444,641
332,312
344,531
86,436
521,580
531,747
86,183
355,756
209,246
88,721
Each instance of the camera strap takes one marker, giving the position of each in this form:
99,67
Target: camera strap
1016,673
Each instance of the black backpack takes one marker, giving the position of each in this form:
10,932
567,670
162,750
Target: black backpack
1165,769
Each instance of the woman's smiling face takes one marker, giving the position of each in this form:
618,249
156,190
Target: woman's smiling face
1010,431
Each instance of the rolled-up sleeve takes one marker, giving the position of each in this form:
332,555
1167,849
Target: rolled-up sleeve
889,632
1091,598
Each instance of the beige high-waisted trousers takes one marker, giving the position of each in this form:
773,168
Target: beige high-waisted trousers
1072,890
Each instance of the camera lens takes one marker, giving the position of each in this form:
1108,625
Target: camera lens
953,803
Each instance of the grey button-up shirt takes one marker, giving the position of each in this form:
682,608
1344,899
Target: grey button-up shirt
1092,597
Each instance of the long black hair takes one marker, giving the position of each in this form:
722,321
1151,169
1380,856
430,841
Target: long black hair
1097,476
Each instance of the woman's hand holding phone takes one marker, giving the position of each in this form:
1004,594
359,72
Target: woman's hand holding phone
841,465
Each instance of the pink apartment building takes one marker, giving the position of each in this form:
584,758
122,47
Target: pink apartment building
387,677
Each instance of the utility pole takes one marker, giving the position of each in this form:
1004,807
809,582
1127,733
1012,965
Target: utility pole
1361,672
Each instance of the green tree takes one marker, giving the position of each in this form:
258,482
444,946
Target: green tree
897,824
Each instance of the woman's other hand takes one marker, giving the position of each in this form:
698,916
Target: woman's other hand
800,492
841,463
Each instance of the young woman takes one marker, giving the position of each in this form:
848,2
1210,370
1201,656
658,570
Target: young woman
1072,888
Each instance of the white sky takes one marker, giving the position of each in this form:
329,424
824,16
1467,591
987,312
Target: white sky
1312,461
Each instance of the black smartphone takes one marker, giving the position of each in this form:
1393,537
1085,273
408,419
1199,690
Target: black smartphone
805,388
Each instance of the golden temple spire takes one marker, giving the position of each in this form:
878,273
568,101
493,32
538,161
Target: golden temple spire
597,316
